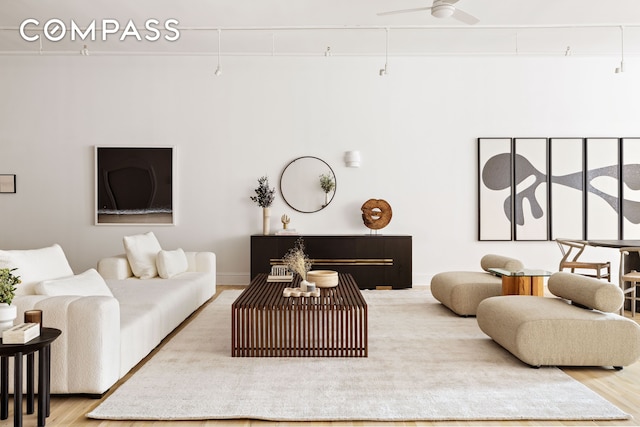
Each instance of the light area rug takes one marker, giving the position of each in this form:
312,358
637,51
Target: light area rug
425,363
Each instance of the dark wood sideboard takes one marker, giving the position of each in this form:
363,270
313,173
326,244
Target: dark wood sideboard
375,261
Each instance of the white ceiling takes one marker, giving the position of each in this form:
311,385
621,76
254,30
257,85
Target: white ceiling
348,27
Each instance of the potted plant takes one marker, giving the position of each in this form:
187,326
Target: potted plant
8,282
264,198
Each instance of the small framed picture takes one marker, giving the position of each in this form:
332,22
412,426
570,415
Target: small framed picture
7,183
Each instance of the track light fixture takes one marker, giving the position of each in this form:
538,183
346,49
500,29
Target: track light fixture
620,69
384,71
218,71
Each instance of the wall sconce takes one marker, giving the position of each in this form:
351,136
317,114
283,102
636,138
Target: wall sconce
352,159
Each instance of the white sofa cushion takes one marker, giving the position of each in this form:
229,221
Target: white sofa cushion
115,267
35,265
170,263
89,283
142,250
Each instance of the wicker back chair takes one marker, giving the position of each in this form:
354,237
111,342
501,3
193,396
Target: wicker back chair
571,251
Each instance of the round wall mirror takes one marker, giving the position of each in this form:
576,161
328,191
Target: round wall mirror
308,184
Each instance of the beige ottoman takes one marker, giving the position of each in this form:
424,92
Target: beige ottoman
462,291
553,331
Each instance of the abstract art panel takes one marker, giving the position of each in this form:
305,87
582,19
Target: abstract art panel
575,188
630,188
602,189
494,189
567,185
134,185
530,202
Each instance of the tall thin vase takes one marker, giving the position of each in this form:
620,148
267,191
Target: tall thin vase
266,213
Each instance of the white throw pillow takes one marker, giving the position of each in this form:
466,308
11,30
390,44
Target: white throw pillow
36,265
170,263
142,250
89,283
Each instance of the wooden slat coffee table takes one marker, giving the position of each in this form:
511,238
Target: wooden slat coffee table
266,324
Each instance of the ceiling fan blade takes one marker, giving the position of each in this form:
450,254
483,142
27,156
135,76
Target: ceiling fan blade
463,16
447,1
393,12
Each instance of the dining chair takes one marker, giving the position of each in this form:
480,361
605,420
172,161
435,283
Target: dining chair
571,251
632,277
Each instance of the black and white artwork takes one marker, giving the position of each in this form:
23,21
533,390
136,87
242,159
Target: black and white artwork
630,188
494,189
134,185
579,188
567,185
602,188
530,202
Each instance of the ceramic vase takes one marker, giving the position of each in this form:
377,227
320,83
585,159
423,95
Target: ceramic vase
266,214
303,285
8,314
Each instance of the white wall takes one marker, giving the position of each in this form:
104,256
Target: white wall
416,129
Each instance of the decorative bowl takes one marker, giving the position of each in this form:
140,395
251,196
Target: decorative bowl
323,278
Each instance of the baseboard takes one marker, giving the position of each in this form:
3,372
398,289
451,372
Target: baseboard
233,278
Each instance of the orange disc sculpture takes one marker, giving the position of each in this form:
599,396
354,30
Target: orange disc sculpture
376,213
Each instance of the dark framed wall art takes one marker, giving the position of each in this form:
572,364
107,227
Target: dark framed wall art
531,195
549,188
135,185
494,189
602,188
567,184
7,183
630,188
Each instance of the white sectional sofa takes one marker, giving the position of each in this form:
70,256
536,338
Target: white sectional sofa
108,326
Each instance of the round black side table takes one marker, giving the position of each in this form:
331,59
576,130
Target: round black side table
42,345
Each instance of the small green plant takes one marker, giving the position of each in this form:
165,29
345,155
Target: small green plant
8,282
264,195
327,183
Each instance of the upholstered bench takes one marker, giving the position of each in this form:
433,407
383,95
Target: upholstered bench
579,328
462,291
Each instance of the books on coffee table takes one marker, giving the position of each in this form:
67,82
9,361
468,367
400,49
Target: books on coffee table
21,334
280,273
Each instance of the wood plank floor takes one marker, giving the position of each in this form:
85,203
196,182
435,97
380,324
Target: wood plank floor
621,388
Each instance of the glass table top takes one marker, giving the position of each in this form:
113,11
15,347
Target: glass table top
524,272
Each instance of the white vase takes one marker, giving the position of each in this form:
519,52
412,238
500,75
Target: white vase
266,214
8,314
303,285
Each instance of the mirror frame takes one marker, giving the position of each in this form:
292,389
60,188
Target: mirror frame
335,180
